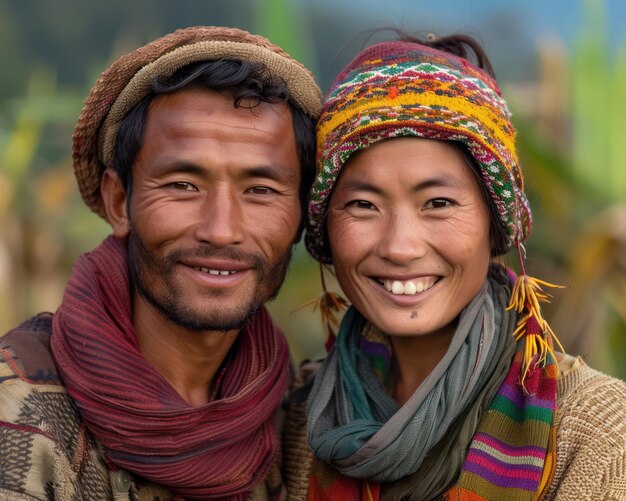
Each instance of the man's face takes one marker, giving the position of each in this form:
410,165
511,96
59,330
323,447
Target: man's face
214,208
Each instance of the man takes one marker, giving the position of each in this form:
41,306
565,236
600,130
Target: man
159,375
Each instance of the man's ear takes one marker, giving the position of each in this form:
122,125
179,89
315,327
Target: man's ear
115,203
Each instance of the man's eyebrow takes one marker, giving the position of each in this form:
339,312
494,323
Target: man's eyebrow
275,172
179,168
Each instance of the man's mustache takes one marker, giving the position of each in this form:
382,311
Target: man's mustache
249,259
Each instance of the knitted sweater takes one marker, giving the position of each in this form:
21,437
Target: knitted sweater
46,451
591,436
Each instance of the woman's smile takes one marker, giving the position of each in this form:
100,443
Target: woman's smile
408,287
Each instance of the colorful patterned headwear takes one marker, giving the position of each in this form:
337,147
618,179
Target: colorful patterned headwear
128,80
401,88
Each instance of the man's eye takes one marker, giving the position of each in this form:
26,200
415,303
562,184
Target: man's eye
260,190
183,186
438,203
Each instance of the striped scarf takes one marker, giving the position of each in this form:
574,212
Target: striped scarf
512,455
511,451
220,450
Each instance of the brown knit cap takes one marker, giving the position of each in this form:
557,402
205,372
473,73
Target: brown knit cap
128,80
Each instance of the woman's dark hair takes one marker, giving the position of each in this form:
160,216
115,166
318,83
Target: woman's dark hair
497,232
248,83
459,44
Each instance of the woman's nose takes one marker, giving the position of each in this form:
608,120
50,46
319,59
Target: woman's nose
402,240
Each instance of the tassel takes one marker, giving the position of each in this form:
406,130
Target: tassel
330,305
538,336
370,492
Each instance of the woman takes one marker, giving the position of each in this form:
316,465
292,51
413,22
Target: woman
442,383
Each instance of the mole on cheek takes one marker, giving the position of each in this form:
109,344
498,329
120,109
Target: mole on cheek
413,314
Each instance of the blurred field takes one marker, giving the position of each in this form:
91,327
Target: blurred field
568,100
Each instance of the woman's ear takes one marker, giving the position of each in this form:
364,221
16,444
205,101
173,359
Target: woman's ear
115,203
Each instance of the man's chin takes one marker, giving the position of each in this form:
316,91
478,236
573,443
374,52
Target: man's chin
223,318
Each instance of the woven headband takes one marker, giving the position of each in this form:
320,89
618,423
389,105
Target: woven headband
128,80
397,89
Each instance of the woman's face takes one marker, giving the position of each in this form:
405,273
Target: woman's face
409,235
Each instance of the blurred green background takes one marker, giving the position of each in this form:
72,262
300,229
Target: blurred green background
561,65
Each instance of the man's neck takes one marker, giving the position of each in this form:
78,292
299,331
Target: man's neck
189,360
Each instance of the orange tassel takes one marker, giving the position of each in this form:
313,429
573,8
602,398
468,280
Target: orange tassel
538,336
331,305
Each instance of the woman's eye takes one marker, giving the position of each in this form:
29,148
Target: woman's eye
438,203
260,190
183,186
361,204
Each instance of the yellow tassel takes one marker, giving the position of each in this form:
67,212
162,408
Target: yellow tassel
538,336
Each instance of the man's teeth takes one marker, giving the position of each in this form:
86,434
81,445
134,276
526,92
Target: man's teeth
214,272
410,287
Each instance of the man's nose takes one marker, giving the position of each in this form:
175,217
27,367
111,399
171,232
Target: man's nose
221,218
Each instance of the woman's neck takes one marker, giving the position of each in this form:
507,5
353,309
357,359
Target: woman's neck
414,358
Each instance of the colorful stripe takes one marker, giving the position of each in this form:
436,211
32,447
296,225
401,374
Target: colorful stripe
496,466
527,471
521,414
512,394
497,447
502,478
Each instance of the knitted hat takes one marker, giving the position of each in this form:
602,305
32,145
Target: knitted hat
128,80
400,88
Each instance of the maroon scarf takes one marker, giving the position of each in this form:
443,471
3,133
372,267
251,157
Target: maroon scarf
220,450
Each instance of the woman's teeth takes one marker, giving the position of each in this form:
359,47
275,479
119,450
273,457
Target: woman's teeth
410,287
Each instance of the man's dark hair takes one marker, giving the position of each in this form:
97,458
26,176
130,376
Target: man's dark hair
248,83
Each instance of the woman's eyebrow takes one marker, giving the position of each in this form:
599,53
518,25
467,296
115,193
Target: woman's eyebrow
363,185
438,182
360,185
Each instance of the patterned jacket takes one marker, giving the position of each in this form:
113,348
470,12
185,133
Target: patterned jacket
46,451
